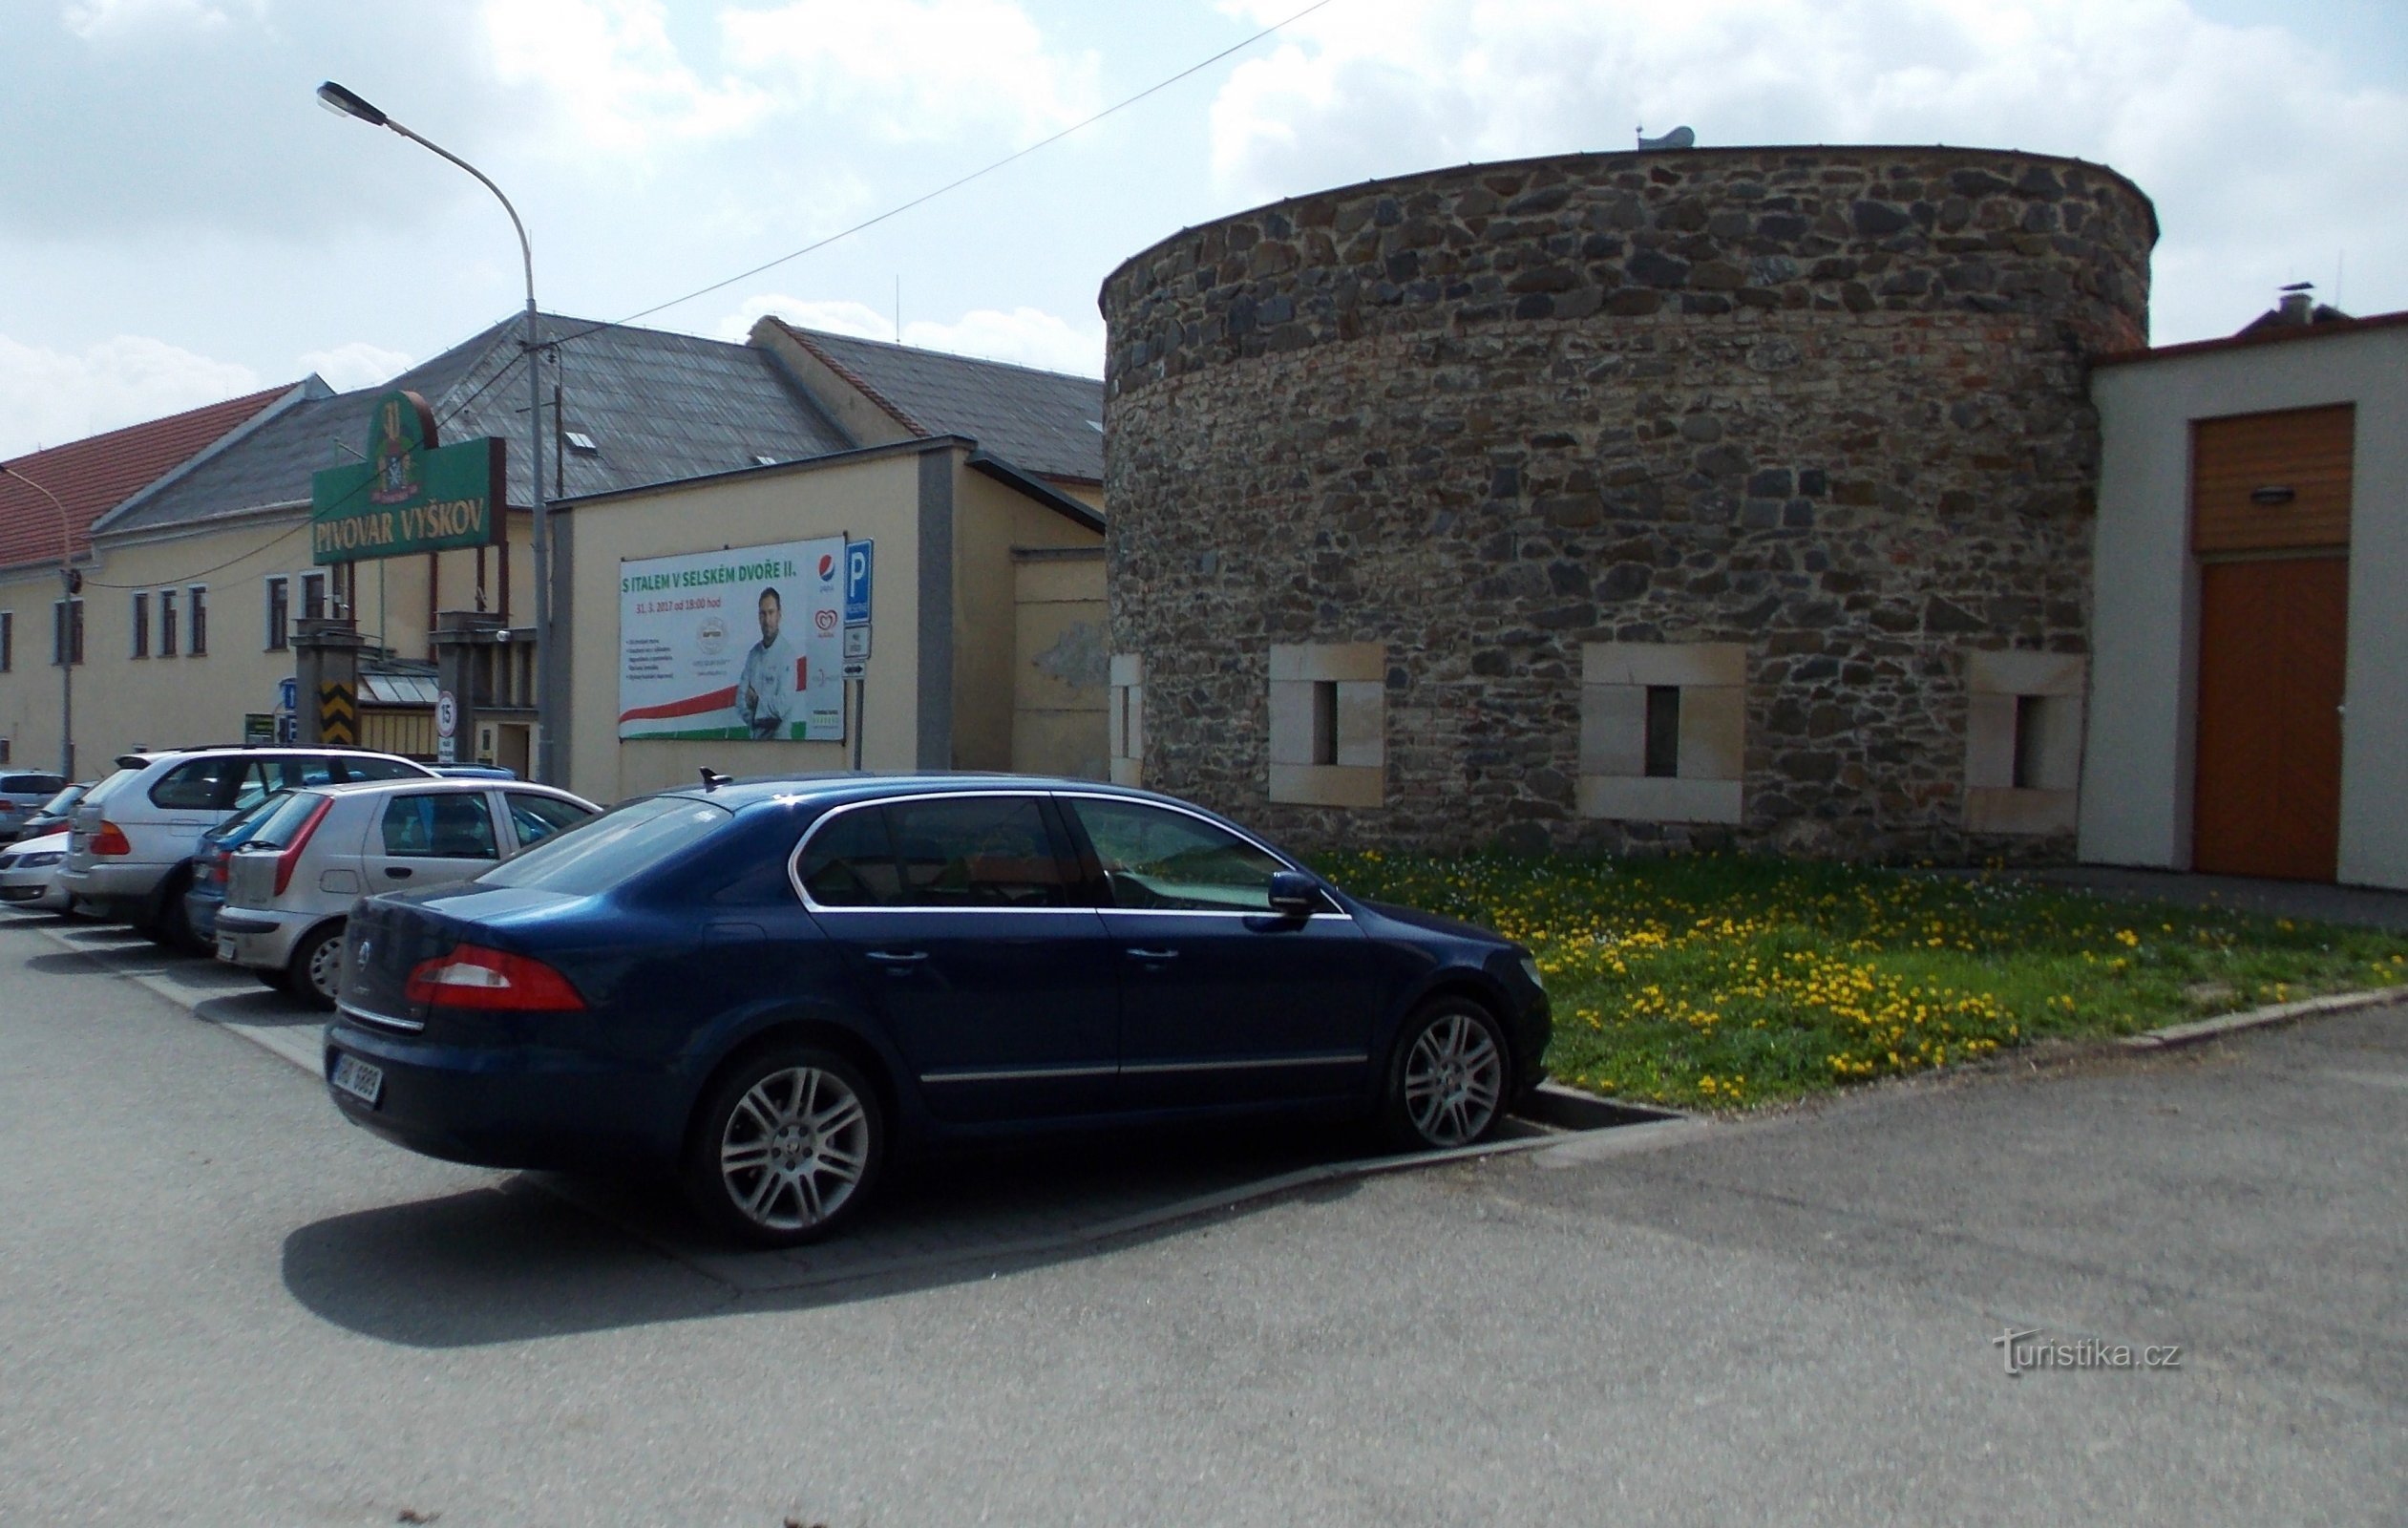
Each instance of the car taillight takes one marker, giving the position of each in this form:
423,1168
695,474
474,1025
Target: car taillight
473,977
110,840
291,854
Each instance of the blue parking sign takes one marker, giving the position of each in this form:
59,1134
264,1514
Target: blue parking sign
289,694
857,562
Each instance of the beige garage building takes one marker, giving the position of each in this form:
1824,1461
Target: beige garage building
2248,705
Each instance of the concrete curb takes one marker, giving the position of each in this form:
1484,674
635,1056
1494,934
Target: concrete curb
2202,1030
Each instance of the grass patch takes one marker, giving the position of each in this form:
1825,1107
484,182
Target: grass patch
1721,981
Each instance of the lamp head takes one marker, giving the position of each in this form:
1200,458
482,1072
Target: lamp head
342,103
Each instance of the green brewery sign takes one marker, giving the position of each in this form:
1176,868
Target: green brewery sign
410,495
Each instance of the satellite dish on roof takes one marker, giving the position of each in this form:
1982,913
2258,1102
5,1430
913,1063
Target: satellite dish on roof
1680,137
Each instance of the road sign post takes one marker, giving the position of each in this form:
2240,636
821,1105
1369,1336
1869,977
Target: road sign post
447,727
860,562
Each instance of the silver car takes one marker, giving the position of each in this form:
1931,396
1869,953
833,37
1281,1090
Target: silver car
23,793
290,887
29,873
131,856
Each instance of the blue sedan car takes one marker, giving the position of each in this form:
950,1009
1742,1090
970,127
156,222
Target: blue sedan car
768,987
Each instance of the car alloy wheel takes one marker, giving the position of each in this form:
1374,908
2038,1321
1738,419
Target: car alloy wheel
315,975
790,1148
1448,1087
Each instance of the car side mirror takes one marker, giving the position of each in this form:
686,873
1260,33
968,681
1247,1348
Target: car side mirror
1293,894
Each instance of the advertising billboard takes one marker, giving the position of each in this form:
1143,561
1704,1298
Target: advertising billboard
741,643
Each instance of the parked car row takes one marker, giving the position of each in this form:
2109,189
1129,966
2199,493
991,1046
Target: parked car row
765,990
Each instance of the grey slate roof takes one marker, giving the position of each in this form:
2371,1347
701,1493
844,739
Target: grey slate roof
659,407
1043,422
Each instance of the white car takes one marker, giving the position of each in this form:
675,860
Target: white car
29,873
290,887
133,837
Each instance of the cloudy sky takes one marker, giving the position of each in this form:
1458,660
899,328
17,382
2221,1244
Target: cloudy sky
180,222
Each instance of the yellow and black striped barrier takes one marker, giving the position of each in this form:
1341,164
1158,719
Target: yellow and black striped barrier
338,714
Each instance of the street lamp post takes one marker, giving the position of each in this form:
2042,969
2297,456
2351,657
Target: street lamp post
66,624
342,102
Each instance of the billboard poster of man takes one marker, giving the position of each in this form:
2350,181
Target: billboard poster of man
741,643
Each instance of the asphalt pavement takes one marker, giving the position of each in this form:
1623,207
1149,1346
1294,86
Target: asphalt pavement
219,1303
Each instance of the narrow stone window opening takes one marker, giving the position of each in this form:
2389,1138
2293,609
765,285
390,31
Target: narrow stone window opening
2027,742
1324,721
1663,732
2023,727
1125,722
1329,715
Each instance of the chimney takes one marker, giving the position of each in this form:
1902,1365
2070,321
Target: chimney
2299,302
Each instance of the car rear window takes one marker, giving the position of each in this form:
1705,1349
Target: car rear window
367,768
202,784
597,855
441,826
285,819
109,786
29,784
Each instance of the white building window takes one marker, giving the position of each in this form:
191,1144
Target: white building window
1663,731
1329,724
2023,727
1126,720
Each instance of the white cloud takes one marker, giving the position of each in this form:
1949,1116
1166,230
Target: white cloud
840,316
1024,336
356,365
50,397
96,20
918,70
614,74
2258,165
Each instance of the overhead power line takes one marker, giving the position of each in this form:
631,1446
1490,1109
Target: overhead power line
922,199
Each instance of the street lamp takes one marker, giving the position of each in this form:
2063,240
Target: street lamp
66,624
343,103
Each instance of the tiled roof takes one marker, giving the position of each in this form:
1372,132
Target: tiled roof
93,475
658,408
1049,423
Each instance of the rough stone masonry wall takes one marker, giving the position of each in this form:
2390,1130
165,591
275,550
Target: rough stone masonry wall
1827,403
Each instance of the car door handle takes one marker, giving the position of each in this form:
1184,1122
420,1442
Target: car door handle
398,872
1153,954
899,958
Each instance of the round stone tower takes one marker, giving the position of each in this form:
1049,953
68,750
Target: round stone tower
1734,497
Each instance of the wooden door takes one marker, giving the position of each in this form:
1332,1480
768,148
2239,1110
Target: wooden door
2273,640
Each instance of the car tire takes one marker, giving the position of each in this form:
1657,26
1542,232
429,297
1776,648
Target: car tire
787,1147
315,971
167,924
1447,1077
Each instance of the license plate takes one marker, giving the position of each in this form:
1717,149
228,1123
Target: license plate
359,1079
226,946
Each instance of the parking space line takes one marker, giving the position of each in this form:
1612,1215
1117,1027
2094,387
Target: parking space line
208,990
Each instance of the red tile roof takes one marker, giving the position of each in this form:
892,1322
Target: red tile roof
2252,337
93,475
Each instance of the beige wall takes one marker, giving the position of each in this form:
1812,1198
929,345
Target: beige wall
2138,754
123,702
1061,663
865,422
990,522
877,497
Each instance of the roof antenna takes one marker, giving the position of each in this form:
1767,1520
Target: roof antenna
713,779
